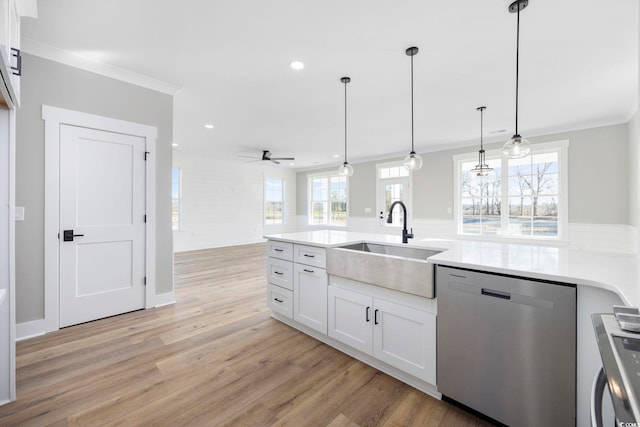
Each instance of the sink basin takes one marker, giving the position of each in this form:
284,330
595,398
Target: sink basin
401,268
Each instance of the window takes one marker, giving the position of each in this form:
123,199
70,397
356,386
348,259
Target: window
328,200
273,201
393,184
526,198
176,198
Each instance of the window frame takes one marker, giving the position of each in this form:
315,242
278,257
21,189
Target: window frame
328,175
562,148
282,201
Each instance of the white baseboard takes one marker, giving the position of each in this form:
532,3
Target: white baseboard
166,298
31,329
36,328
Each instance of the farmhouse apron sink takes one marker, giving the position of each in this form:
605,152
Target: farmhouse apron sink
401,268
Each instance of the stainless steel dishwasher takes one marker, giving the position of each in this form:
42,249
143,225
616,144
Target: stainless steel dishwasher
507,346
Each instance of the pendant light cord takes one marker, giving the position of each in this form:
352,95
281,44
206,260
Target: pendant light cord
481,128
345,121
517,63
412,149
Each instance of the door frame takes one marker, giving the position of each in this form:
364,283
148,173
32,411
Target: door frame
54,117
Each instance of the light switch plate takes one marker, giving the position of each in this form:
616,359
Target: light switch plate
19,213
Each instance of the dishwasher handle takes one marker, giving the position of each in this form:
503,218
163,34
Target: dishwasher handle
496,294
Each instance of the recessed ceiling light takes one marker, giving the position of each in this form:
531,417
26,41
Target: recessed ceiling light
335,156
209,126
297,65
174,144
291,164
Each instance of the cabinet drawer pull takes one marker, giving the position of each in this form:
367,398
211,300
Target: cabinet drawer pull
309,256
278,273
375,316
367,315
308,271
279,250
278,300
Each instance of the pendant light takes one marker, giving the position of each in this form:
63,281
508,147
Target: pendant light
345,169
517,147
482,168
413,161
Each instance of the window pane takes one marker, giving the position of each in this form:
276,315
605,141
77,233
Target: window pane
394,193
328,201
319,213
320,189
534,187
274,201
393,172
545,219
486,221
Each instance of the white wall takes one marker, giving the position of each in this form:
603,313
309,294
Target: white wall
222,201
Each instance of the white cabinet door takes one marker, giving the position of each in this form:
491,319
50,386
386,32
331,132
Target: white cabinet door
350,318
405,338
310,297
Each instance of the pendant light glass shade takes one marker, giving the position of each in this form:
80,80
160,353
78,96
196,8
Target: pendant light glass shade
517,147
413,161
345,169
482,168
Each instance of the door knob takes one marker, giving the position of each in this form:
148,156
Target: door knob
67,235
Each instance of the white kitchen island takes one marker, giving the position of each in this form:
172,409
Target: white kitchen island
602,279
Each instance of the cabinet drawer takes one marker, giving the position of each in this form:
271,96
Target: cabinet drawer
280,300
280,250
280,272
310,255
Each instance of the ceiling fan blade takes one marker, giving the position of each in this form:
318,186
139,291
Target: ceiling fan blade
283,158
248,157
274,161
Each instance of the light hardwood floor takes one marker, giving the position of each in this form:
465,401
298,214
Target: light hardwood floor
215,358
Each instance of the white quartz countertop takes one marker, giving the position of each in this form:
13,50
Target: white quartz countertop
619,273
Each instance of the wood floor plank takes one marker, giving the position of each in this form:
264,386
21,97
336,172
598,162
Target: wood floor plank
215,358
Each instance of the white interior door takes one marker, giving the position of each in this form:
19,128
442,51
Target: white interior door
102,224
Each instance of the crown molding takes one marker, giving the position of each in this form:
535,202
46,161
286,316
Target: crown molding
62,56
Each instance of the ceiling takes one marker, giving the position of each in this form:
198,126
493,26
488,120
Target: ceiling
227,61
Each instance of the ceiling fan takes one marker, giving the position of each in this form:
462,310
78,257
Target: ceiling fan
266,157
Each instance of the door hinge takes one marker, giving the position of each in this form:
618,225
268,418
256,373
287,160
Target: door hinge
145,218
58,236
145,280
17,69
146,154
